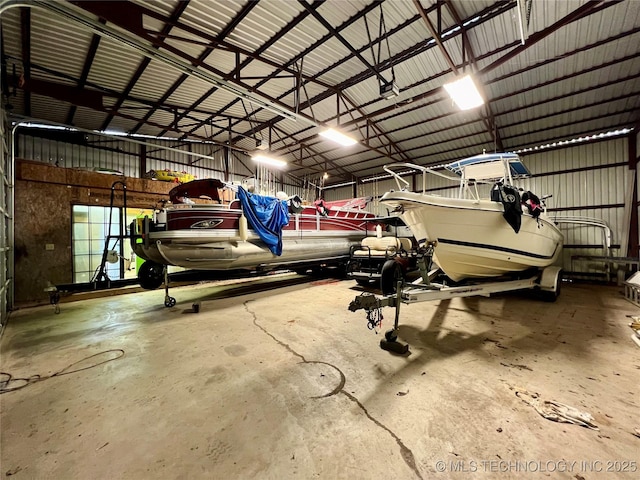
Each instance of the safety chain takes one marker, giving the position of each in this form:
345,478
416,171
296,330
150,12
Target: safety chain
374,319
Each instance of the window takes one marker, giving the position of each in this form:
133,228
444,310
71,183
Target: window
90,229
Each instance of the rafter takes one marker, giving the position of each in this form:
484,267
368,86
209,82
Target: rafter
88,61
552,100
299,57
180,8
573,16
485,15
255,56
201,58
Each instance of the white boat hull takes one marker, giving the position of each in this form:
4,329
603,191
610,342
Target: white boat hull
473,238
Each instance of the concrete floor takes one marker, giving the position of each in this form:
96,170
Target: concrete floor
285,382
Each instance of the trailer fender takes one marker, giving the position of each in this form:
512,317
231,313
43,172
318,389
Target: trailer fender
550,279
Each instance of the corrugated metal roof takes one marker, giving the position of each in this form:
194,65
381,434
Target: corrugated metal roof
579,78
113,65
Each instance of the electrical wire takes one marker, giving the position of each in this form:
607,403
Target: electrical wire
7,381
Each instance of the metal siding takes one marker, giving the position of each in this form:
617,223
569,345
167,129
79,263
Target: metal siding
211,17
90,119
294,42
341,193
7,219
583,190
81,156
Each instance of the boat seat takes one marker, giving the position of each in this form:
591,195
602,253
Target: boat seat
235,204
382,246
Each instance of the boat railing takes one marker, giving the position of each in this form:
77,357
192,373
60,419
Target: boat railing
467,176
580,221
397,176
433,170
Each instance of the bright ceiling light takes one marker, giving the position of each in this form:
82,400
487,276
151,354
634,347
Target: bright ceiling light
275,162
464,93
338,137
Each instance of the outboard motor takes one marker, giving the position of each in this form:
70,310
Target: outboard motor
321,207
295,204
510,199
533,204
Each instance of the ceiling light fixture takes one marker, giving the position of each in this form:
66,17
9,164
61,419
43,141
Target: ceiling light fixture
275,162
338,137
464,93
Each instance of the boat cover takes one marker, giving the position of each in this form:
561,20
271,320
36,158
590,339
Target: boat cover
267,216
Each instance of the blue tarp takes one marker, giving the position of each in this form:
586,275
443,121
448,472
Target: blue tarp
267,216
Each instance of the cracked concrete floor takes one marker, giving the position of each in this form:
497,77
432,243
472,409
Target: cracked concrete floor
285,382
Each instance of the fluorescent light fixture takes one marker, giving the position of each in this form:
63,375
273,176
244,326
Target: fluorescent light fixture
338,137
464,93
275,162
46,126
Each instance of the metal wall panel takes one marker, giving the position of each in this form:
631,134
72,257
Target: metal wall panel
340,193
99,152
6,222
118,153
161,159
595,193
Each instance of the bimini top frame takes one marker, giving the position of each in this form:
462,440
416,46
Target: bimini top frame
486,168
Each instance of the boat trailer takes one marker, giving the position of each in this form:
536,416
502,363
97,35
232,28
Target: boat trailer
546,280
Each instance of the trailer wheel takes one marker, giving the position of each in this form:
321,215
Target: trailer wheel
390,275
151,275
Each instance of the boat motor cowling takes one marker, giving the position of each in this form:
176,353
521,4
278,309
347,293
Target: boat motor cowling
295,204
